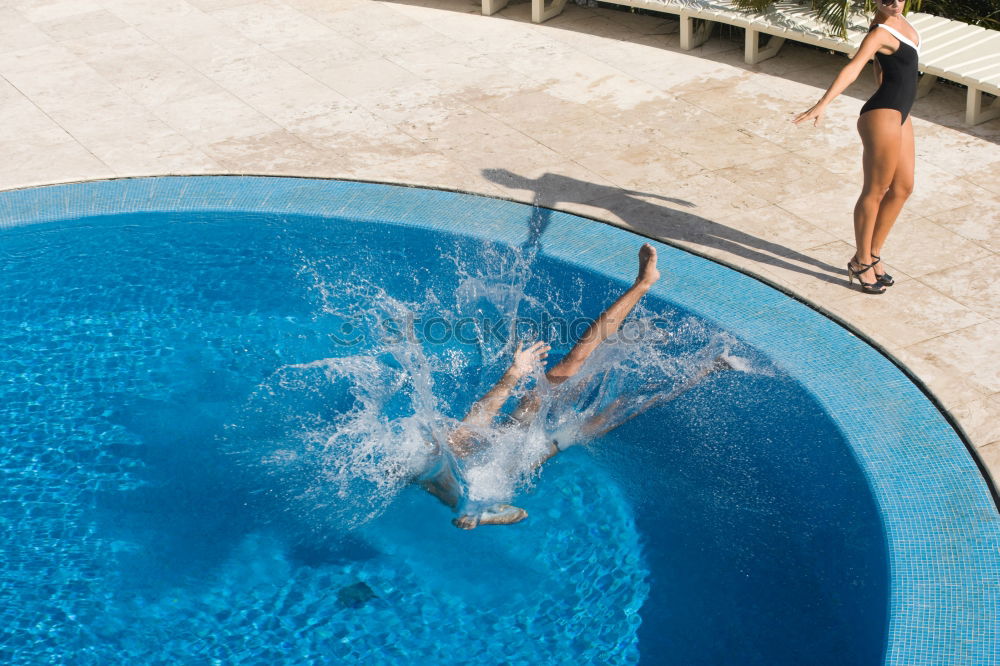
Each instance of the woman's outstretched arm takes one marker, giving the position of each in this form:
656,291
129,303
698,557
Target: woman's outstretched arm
875,40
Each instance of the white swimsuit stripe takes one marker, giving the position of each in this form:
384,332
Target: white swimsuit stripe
901,37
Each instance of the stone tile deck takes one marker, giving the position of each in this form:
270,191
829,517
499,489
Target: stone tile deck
596,112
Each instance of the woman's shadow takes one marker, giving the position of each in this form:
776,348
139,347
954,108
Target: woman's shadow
654,220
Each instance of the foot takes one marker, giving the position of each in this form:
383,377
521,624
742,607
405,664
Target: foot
866,276
499,514
648,273
867,280
883,278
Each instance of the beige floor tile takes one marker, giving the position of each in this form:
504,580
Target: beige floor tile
52,76
918,247
670,220
975,282
642,166
832,210
163,149
206,119
953,150
775,228
326,11
82,25
936,190
356,139
51,156
278,152
978,222
277,89
18,33
401,44
969,353
950,385
318,56
367,78
55,10
147,12
986,176
743,103
814,272
362,19
424,11
212,5
908,313
123,41
429,169
201,40
451,64
152,76
980,419
722,147
273,25
784,176
413,108
712,196
686,71
668,121
20,116
590,33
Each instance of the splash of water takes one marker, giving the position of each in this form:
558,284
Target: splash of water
339,438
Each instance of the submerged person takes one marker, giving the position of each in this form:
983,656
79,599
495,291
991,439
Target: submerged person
444,479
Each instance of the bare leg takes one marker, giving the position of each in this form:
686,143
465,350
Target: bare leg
606,325
881,135
899,191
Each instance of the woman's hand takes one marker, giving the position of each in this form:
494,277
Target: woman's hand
526,360
815,114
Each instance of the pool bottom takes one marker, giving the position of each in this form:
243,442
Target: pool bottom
408,588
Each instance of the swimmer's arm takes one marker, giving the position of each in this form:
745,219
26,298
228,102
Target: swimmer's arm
485,409
875,40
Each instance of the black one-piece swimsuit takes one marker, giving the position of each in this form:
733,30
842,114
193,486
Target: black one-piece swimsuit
899,77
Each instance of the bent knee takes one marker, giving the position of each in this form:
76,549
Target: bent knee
901,190
875,192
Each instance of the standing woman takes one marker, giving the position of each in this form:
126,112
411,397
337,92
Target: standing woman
887,134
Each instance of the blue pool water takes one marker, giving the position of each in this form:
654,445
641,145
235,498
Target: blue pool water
202,417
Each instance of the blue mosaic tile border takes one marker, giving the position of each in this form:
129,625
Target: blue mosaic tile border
942,527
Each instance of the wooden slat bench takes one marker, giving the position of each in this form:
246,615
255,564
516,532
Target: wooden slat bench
951,50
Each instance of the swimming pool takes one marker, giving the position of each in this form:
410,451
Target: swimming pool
161,343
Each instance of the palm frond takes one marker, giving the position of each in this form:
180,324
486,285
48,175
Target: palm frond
835,13
754,5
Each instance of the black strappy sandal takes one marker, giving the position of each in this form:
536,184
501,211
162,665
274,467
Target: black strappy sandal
885,279
866,287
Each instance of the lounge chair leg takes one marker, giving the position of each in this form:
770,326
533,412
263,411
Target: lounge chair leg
540,13
975,111
491,7
926,84
694,35
755,53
